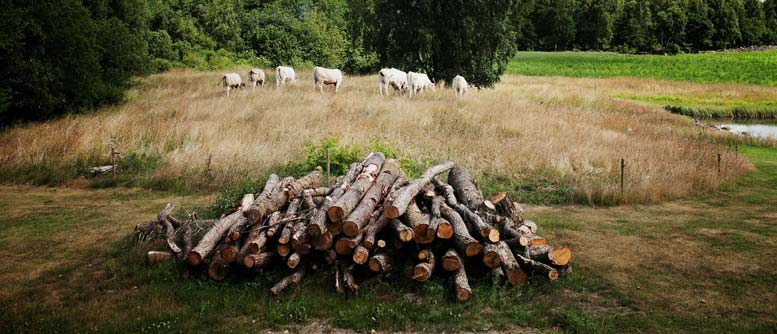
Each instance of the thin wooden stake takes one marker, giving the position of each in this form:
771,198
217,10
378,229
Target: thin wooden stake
718,164
327,166
113,161
623,168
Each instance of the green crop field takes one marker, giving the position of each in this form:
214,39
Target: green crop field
755,68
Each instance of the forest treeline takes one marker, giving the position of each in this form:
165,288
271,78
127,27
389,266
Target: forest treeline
66,56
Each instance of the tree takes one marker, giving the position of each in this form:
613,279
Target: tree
594,23
671,21
700,30
726,19
220,19
634,27
474,39
753,24
555,24
770,21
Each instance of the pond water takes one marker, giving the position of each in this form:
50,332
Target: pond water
755,129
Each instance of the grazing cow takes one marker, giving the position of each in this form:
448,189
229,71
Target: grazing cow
284,74
417,82
230,81
327,76
256,76
459,85
393,77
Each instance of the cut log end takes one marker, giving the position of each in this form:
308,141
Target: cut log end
473,248
314,230
492,235
361,254
335,213
491,259
194,259
516,276
350,229
444,230
392,212
560,256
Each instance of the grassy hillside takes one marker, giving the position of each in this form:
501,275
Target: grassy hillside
69,265
755,68
553,140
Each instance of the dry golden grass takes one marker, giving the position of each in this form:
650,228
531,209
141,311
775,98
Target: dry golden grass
561,129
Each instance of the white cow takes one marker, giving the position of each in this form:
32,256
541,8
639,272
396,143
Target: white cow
459,85
417,82
284,74
327,76
256,76
394,77
230,81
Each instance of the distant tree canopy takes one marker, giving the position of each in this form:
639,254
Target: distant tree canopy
65,56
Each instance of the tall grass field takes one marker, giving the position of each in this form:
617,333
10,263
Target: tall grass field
561,139
754,68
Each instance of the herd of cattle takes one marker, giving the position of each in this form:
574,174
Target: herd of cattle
410,82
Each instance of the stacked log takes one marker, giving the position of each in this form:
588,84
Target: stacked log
361,225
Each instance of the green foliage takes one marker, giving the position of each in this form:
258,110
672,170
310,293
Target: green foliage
67,56
340,156
575,321
447,38
728,113
745,68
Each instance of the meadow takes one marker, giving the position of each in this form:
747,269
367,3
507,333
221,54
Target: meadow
696,265
561,138
754,68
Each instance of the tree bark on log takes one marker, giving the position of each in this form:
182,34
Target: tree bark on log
491,256
515,275
317,224
209,241
423,271
380,263
404,196
463,290
451,261
218,267
505,206
461,237
402,231
360,216
294,278
465,187
164,218
348,202
479,227
265,206
293,260
419,221
538,266
259,260
350,280
373,229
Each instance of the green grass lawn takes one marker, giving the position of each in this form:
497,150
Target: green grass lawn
756,68
710,107
696,265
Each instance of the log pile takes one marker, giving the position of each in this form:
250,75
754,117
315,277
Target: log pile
368,223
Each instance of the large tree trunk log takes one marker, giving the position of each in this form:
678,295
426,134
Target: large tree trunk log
380,263
463,291
465,187
218,267
461,237
515,275
345,246
560,256
265,206
505,206
491,256
402,231
318,223
294,278
211,239
423,271
480,227
154,257
451,260
361,254
420,223
259,260
405,195
293,260
229,253
348,202
164,218
537,266
360,216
